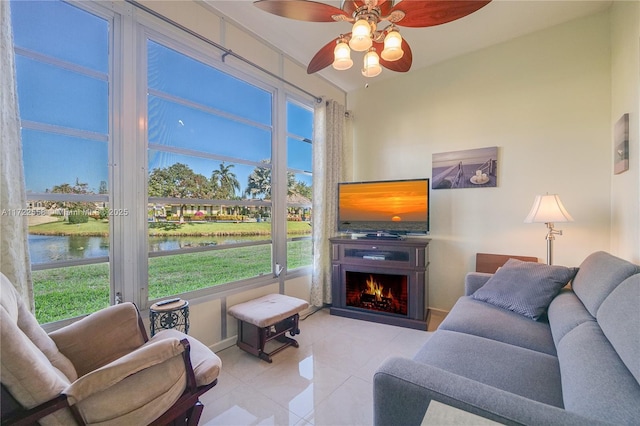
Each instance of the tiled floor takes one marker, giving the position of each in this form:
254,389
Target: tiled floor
328,380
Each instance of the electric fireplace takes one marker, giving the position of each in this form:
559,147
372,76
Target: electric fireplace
377,292
380,281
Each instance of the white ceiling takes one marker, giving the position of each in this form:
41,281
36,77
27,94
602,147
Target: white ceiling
499,21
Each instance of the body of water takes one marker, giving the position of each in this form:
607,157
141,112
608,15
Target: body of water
53,248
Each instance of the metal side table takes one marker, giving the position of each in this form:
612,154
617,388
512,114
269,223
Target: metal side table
172,313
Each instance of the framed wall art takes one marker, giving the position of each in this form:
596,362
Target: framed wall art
621,145
471,168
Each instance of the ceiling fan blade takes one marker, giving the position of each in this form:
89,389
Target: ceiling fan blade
435,12
303,10
350,6
323,58
401,65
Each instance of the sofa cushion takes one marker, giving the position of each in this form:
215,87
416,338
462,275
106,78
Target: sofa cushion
527,373
525,287
565,313
595,382
619,318
485,320
599,274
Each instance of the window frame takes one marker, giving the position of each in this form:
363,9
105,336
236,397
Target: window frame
113,20
306,104
210,56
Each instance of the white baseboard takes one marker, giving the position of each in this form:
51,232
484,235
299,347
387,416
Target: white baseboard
224,344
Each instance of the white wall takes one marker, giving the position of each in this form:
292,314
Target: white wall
625,96
545,100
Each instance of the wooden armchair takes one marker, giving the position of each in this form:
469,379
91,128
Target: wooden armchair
102,369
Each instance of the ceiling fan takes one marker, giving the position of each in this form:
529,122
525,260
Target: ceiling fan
395,53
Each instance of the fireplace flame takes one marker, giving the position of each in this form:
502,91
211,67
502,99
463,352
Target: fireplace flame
375,289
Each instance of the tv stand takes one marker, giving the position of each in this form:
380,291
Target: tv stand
398,266
382,236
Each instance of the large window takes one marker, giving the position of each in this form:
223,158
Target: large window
299,184
62,63
210,143
227,152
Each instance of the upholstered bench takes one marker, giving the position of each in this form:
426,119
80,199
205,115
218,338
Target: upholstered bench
265,319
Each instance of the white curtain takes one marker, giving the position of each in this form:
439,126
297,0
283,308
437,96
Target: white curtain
328,145
14,252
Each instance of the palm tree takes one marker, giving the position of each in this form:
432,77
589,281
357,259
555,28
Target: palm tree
259,182
225,182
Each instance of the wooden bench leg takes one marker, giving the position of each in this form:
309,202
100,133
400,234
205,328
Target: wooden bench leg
248,338
253,339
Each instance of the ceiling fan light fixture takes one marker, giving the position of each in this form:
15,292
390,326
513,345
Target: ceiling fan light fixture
372,66
364,16
361,36
392,46
342,56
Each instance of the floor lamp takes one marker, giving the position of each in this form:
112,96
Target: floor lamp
548,209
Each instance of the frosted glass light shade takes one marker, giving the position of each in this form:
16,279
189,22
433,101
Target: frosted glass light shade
371,64
342,57
361,36
548,209
392,46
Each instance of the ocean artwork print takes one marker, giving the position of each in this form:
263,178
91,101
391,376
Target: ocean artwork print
470,168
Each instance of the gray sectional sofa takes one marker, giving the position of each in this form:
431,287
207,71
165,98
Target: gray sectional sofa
579,364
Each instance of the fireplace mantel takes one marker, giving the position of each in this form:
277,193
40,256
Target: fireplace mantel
396,275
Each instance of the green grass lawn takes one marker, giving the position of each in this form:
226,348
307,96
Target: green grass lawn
93,228
68,292
205,229
72,291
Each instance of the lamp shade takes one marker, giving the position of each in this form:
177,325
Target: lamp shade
392,46
361,36
548,209
371,64
342,56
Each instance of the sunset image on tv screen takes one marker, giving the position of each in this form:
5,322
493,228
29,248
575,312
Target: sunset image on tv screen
397,201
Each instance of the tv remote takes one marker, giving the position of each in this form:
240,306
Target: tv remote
166,302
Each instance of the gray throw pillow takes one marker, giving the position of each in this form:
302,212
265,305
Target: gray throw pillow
525,287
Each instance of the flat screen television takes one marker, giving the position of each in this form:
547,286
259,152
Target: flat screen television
393,207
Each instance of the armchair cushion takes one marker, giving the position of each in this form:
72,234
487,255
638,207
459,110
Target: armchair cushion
156,381
32,369
101,337
206,364
146,356
18,314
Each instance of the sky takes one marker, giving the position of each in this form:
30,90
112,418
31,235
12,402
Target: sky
469,156
73,104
